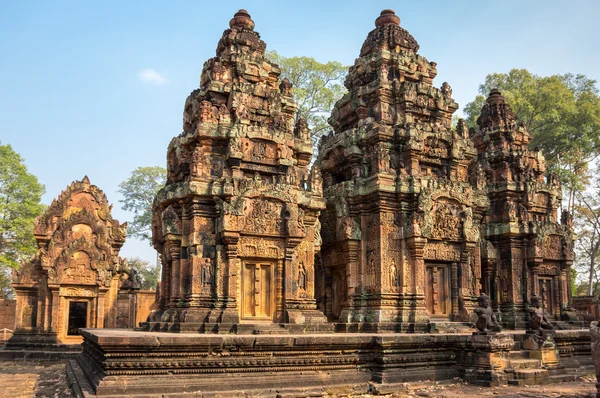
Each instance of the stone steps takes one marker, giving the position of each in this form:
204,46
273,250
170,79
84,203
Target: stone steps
523,364
529,377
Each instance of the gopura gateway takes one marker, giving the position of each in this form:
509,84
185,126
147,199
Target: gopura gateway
273,270
76,276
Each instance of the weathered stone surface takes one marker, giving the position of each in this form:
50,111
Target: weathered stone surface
77,262
402,218
525,251
595,337
237,223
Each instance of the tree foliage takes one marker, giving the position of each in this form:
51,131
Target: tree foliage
149,274
316,88
20,195
138,192
562,112
587,226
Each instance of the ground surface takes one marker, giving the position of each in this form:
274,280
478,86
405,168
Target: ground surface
27,379
458,389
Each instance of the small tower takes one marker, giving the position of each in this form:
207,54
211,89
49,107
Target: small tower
237,222
401,228
527,251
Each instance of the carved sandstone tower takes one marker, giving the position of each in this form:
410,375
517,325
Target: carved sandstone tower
526,251
76,274
237,223
401,228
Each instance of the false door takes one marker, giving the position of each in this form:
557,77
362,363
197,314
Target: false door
258,290
437,290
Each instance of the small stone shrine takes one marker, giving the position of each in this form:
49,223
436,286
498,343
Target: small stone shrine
74,279
402,225
237,223
525,250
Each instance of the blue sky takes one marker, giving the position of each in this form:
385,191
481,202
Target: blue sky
98,88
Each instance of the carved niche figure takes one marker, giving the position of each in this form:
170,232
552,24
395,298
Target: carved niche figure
302,280
393,275
371,277
486,319
206,272
384,74
537,317
446,90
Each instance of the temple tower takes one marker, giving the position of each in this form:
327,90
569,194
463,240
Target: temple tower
526,251
73,280
401,227
237,222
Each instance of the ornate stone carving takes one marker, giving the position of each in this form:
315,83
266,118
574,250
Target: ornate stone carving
78,254
249,172
486,319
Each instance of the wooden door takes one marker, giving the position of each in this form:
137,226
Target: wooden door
437,290
258,290
547,294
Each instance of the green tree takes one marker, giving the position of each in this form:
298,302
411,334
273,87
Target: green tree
138,192
20,195
562,112
316,88
149,274
587,226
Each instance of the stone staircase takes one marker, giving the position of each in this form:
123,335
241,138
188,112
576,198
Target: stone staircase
525,371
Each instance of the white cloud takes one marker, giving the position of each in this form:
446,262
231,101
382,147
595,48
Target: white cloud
151,76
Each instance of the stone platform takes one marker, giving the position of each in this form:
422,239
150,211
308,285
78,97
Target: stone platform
131,363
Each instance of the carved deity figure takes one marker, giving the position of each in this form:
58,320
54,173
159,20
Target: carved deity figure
371,278
486,319
384,74
206,272
446,89
393,275
537,317
286,87
302,276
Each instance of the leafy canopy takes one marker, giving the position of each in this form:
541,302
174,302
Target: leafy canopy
138,192
20,195
562,112
149,274
316,88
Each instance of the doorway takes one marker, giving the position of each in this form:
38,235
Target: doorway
339,291
437,290
547,294
77,317
258,290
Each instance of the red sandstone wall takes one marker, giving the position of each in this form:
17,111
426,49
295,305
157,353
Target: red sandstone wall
7,315
146,302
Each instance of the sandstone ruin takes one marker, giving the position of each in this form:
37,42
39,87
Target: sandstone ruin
237,223
287,279
75,278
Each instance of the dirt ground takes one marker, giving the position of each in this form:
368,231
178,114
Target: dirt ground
585,387
27,379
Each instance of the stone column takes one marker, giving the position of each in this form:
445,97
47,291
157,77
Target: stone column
595,336
556,286
454,291
54,325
